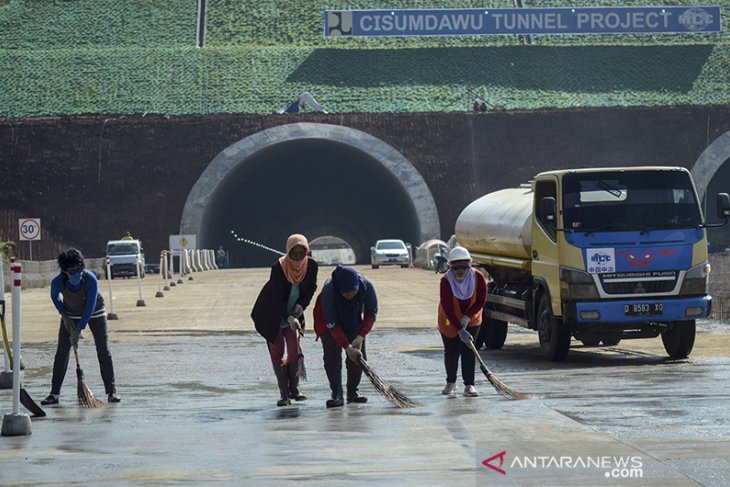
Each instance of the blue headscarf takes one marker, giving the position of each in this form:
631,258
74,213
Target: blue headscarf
346,279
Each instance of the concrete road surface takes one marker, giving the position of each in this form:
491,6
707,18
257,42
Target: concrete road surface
198,402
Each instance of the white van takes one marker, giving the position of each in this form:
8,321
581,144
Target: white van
126,258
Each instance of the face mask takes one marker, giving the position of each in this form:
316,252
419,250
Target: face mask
74,278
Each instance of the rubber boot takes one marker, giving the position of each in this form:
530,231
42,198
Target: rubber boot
293,373
283,380
354,374
334,375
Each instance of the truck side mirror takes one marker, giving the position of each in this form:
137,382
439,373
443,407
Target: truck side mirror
723,211
723,205
548,209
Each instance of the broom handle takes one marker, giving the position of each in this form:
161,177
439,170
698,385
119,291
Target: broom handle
5,341
479,357
76,355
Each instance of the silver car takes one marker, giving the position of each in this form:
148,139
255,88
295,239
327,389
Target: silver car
390,252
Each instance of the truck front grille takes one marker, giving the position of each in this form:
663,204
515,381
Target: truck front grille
639,282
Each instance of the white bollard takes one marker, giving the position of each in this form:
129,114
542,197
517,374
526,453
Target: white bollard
140,301
159,293
111,315
16,424
181,268
171,268
16,336
164,270
204,259
189,264
213,257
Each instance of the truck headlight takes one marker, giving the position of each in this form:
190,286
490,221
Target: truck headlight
695,280
577,284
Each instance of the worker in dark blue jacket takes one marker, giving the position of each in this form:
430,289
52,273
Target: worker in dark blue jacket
75,294
344,314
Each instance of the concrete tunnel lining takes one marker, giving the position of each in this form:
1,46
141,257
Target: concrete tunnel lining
233,159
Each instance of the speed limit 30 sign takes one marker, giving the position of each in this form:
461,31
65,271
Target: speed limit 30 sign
29,228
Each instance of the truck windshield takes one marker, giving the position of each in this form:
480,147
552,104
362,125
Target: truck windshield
122,249
630,200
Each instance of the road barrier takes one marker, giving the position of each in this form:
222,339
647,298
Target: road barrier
16,423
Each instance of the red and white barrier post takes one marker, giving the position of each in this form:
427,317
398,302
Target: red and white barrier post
17,423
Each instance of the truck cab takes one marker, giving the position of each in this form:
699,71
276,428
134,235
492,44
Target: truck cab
126,258
599,255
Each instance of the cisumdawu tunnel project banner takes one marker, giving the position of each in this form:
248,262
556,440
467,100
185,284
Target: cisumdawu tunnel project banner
522,21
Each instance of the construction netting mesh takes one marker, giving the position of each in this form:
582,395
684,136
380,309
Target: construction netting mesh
139,56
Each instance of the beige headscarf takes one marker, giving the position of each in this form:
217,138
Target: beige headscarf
293,270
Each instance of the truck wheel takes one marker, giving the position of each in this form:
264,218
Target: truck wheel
374,266
492,334
679,338
554,338
610,342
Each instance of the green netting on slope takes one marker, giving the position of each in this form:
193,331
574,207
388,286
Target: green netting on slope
262,80
64,24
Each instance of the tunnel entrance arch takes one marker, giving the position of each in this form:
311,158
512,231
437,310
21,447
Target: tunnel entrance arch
711,174
316,179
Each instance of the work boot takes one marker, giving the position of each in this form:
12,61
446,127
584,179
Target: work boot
334,375
356,398
293,373
112,397
51,399
282,380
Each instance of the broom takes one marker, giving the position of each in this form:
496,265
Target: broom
86,397
384,389
301,370
500,386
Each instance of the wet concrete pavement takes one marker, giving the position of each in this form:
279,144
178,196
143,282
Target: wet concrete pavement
199,403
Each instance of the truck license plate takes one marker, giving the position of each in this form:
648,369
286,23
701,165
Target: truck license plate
643,309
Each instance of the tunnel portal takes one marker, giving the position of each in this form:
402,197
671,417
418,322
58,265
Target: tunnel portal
314,179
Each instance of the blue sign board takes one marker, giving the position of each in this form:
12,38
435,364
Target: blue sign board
523,21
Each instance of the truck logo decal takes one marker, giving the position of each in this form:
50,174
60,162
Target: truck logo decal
600,260
642,257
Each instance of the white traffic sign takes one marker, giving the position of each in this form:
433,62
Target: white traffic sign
29,228
182,242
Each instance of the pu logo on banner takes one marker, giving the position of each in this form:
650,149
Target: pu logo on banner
339,24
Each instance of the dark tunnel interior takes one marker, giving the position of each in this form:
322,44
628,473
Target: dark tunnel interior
313,187
718,238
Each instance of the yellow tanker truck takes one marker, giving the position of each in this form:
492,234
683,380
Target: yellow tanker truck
599,254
